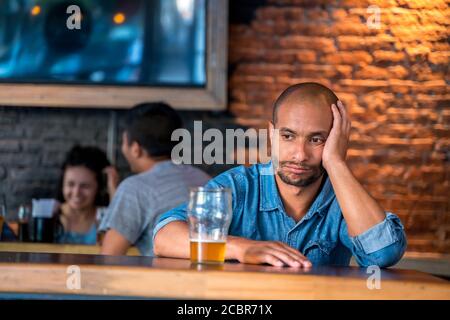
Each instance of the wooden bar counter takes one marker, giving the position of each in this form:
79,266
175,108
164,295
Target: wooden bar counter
144,277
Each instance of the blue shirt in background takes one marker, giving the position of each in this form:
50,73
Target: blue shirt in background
70,237
321,235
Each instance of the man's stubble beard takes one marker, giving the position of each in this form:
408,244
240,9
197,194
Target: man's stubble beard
317,172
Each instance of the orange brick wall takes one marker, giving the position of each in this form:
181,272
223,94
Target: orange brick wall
394,81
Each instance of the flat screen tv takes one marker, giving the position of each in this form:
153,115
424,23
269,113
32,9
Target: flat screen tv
113,53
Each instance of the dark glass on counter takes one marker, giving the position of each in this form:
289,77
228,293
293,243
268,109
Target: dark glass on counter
44,229
24,218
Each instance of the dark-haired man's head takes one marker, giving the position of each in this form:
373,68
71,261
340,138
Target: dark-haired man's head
303,119
147,138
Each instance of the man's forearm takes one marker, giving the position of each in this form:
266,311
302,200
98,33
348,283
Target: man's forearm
360,210
173,241
234,247
114,244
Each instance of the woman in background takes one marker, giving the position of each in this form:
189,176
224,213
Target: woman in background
87,183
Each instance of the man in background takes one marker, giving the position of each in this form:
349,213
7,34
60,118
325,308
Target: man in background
157,186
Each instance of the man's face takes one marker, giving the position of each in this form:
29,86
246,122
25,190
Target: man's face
303,129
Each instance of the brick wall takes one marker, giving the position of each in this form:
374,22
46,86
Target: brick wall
393,79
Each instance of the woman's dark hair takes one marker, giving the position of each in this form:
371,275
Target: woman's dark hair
93,159
151,126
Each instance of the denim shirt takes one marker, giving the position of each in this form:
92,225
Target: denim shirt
321,235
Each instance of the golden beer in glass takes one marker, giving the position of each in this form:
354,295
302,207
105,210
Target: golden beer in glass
209,213
207,251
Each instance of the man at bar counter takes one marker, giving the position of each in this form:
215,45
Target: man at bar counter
157,186
311,210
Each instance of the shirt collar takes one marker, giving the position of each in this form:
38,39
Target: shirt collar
270,198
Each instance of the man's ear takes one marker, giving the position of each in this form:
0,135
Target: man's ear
136,150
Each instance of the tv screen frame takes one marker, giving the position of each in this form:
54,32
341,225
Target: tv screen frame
213,96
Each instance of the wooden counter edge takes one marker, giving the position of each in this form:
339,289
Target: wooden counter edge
164,283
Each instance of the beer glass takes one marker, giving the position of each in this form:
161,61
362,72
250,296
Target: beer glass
209,212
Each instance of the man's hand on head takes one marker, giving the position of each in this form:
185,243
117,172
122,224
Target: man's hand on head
335,149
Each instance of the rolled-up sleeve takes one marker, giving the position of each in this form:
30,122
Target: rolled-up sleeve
383,244
176,214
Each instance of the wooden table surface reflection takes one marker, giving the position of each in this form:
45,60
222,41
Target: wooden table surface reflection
134,276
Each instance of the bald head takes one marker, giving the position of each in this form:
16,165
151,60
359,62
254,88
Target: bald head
310,93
